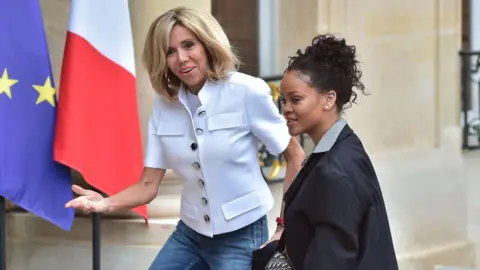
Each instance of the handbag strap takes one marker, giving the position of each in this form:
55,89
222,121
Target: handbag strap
281,243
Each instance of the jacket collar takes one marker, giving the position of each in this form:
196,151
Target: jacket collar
330,137
204,94
335,134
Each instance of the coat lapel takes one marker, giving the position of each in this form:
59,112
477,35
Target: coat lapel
310,163
339,131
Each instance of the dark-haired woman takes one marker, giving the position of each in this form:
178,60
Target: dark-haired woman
335,216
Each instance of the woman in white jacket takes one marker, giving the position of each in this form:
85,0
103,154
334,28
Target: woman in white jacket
205,126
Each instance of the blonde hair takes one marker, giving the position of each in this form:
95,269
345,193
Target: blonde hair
221,56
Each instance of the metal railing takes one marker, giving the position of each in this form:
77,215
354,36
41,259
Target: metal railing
470,100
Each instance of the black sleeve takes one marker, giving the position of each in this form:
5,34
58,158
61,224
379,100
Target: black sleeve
335,215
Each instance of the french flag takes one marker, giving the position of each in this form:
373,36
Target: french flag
97,126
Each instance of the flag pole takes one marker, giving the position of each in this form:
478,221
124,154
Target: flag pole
96,241
3,251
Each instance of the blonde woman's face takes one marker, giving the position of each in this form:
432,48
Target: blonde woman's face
187,57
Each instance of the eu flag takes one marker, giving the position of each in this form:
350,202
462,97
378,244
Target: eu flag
29,176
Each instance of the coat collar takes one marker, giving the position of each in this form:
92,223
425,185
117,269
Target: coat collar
335,134
204,94
330,137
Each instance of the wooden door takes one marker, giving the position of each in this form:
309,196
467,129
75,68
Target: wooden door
239,19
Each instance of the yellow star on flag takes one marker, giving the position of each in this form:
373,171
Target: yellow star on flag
45,92
6,83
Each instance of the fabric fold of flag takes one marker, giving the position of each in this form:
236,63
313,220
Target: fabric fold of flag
98,130
29,176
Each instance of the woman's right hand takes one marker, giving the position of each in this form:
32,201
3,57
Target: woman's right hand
88,201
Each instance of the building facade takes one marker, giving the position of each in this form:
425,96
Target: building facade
410,124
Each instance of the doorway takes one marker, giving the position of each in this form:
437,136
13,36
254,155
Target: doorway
239,19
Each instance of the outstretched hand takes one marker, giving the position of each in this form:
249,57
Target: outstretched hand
88,201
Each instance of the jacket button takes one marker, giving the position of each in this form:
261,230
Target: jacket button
199,131
206,218
196,165
194,146
204,201
202,113
201,183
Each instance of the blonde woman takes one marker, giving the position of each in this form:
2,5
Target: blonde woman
205,126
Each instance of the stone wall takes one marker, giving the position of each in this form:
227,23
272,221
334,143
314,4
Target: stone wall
408,51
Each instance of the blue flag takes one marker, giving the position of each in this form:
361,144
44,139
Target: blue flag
29,177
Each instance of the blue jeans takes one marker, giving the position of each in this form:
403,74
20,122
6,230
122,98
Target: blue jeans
186,249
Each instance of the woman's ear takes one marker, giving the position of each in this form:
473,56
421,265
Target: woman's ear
330,99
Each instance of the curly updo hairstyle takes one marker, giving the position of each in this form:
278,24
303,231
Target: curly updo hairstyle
330,64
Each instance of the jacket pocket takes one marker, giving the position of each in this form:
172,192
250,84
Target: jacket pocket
241,205
189,210
225,120
171,128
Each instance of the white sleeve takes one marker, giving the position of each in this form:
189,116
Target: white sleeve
154,154
266,122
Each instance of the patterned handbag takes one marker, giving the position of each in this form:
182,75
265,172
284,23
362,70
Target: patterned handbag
279,261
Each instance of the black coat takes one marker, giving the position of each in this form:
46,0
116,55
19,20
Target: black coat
335,216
